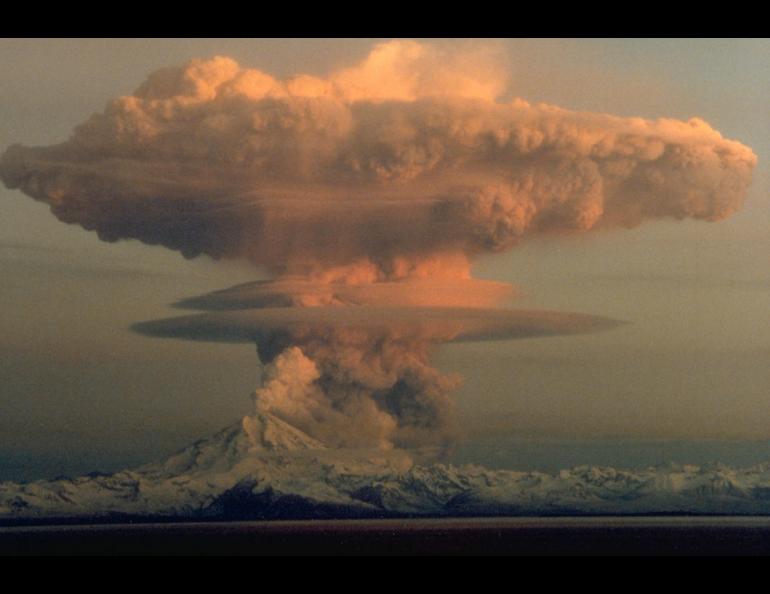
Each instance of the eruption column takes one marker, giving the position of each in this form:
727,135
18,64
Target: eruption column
367,194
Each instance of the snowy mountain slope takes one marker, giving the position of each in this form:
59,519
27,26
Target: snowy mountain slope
268,468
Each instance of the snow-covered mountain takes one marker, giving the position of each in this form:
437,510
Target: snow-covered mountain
266,468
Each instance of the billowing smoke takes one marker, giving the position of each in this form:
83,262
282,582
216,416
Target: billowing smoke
376,185
359,376
390,169
357,388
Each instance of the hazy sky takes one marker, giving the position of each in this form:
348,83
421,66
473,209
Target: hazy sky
78,390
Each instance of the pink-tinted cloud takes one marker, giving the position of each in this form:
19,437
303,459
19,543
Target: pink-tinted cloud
372,171
368,192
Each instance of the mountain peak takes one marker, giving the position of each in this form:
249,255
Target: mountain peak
257,434
265,467
266,432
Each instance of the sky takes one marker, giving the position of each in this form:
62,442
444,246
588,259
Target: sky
80,391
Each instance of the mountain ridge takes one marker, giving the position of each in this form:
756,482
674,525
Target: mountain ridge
264,467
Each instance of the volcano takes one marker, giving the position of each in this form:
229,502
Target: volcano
275,471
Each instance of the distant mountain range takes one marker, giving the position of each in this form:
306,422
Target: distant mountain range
277,471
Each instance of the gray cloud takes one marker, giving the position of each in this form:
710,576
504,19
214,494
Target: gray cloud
436,324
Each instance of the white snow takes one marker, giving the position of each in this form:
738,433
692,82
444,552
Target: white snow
287,462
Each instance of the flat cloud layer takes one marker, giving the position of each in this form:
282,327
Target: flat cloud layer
404,165
432,324
290,292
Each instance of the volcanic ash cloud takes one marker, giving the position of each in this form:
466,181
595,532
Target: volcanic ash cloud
381,170
360,376
373,188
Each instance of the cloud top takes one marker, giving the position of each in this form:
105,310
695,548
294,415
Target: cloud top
405,165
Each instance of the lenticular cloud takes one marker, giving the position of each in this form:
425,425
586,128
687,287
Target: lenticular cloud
367,194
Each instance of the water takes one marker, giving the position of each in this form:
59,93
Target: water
460,536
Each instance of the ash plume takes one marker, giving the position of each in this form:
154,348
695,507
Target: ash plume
402,166
357,389
360,376
369,191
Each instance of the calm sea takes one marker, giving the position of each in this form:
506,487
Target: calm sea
466,536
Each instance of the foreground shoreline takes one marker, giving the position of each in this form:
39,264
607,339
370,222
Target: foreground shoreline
596,535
